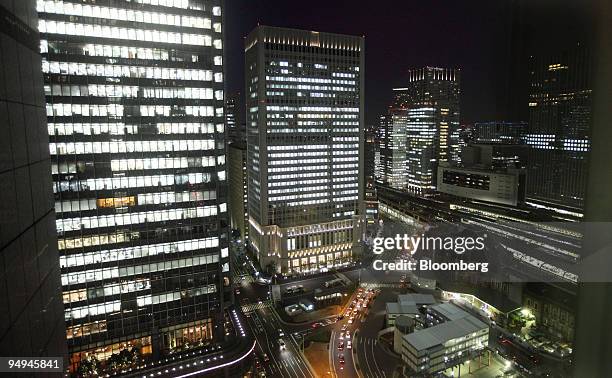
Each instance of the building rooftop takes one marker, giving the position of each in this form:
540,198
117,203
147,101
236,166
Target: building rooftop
399,308
437,335
449,311
416,299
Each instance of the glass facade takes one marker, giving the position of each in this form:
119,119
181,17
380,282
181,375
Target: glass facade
428,114
305,146
134,94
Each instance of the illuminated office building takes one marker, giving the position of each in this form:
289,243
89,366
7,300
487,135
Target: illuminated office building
427,113
305,147
31,310
560,107
134,94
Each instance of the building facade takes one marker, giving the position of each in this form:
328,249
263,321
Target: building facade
304,101
425,131
499,132
560,107
134,95
234,118
503,187
238,193
32,321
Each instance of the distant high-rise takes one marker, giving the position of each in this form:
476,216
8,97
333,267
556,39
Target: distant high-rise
238,194
427,110
305,147
134,95
31,310
234,118
560,106
499,132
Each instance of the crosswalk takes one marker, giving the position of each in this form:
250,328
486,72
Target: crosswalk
250,307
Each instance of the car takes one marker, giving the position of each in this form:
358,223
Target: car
347,335
341,359
265,357
341,346
349,345
344,327
257,363
341,337
281,344
281,333
350,321
237,291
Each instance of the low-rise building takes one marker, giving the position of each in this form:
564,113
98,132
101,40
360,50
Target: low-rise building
451,336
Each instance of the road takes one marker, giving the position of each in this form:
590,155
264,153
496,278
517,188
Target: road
287,362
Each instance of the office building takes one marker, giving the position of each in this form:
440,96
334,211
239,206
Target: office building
452,336
32,321
304,94
504,187
425,118
371,198
237,163
134,94
234,118
499,132
560,118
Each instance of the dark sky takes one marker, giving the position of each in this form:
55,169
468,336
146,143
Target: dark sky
473,35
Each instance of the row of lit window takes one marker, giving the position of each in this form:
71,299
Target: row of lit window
303,79
132,91
126,52
285,183
322,129
123,14
109,183
302,162
121,128
165,163
141,199
93,275
96,240
174,296
310,87
67,167
299,168
130,34
115,110
123,287
272,192
286,108
115,220
139,72
131,146
129,253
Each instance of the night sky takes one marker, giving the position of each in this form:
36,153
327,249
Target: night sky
473,35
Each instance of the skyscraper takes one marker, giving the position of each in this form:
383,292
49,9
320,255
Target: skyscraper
305,147
135,118
560,107
31,315
429,110
234,118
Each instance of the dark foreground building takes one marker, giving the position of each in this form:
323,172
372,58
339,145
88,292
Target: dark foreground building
31,319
